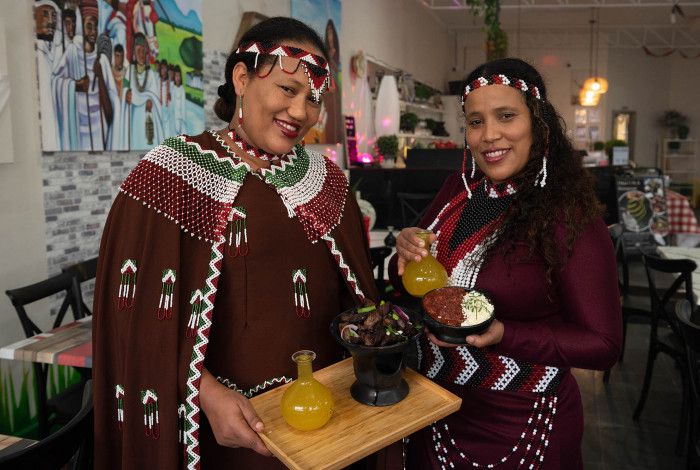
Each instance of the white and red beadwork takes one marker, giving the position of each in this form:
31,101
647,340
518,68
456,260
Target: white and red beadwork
345,270
500,79
165,304
312,187
249,149
532,442
199,350
127,284
301,295
151,420
196,304
119,395
238,232
315,67
252,391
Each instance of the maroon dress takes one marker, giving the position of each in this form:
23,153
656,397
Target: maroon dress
574,322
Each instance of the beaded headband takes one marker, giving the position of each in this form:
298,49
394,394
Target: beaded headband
315,66
501,79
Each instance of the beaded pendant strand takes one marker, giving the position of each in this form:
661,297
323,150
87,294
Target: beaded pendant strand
197,303
165,305
127,284
238,231
119,394
301,296
151,421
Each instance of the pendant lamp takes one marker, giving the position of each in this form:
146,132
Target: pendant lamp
594,86
388,110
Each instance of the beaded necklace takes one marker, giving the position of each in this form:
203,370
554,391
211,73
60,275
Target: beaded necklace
249,149
468,226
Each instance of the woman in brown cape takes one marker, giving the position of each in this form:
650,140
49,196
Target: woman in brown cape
223,254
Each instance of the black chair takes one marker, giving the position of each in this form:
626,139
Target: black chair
631,305
83,272
413,206
668,340
379,257
67,403
72,444
690,331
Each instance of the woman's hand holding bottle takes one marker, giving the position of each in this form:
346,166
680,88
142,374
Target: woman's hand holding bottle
410,247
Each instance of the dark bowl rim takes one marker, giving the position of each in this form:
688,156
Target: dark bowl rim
427,318
415,316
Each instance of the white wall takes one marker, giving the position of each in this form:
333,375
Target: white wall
401,33
22,231
638,82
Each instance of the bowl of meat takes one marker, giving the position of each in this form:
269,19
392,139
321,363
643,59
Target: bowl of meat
453,313
378,338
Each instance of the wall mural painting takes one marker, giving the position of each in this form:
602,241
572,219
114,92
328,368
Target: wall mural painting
118,74
324,16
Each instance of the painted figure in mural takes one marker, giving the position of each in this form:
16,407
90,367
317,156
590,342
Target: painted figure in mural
143,18
118,67
165,97
215,242
48,54
85,96
114,23
141,115
178,101
521,222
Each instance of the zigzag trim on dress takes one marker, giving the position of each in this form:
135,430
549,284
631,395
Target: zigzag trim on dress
197,362
349,276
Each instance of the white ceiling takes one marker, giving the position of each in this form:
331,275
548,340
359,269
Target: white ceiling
626,23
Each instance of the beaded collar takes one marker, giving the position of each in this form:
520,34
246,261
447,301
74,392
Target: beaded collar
468,226
247,148
315,67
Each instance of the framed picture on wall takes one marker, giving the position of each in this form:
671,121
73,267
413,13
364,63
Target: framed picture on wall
580,133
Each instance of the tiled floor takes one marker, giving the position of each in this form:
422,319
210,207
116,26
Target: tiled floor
612,440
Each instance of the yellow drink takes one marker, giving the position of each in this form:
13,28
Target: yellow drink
307,404
420,277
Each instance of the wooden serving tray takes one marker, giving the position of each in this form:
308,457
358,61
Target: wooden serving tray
355,430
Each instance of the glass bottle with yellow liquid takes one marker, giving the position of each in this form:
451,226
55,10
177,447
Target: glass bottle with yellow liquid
307,404
420,277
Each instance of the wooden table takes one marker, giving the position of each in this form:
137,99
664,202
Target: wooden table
67,345
355,430
681,252
12,444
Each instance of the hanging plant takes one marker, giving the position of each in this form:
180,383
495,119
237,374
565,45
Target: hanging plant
496,38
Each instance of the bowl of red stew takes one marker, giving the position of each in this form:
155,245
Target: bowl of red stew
452,313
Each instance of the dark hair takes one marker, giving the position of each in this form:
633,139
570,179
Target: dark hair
68,13
567,197
271,31
118,48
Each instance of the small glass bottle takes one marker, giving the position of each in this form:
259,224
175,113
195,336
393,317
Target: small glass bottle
420,277
307,404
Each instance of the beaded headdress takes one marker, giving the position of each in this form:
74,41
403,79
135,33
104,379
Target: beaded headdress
525,88
290,58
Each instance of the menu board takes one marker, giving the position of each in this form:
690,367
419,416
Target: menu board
641,201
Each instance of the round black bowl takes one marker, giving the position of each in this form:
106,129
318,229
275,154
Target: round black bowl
378,369
455,334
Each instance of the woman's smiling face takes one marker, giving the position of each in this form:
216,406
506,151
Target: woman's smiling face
499,130
278,109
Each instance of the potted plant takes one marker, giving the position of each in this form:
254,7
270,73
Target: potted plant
387,146
675,122
496,38
408,122
613,143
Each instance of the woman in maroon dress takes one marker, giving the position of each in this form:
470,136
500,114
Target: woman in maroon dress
522,223
223,254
